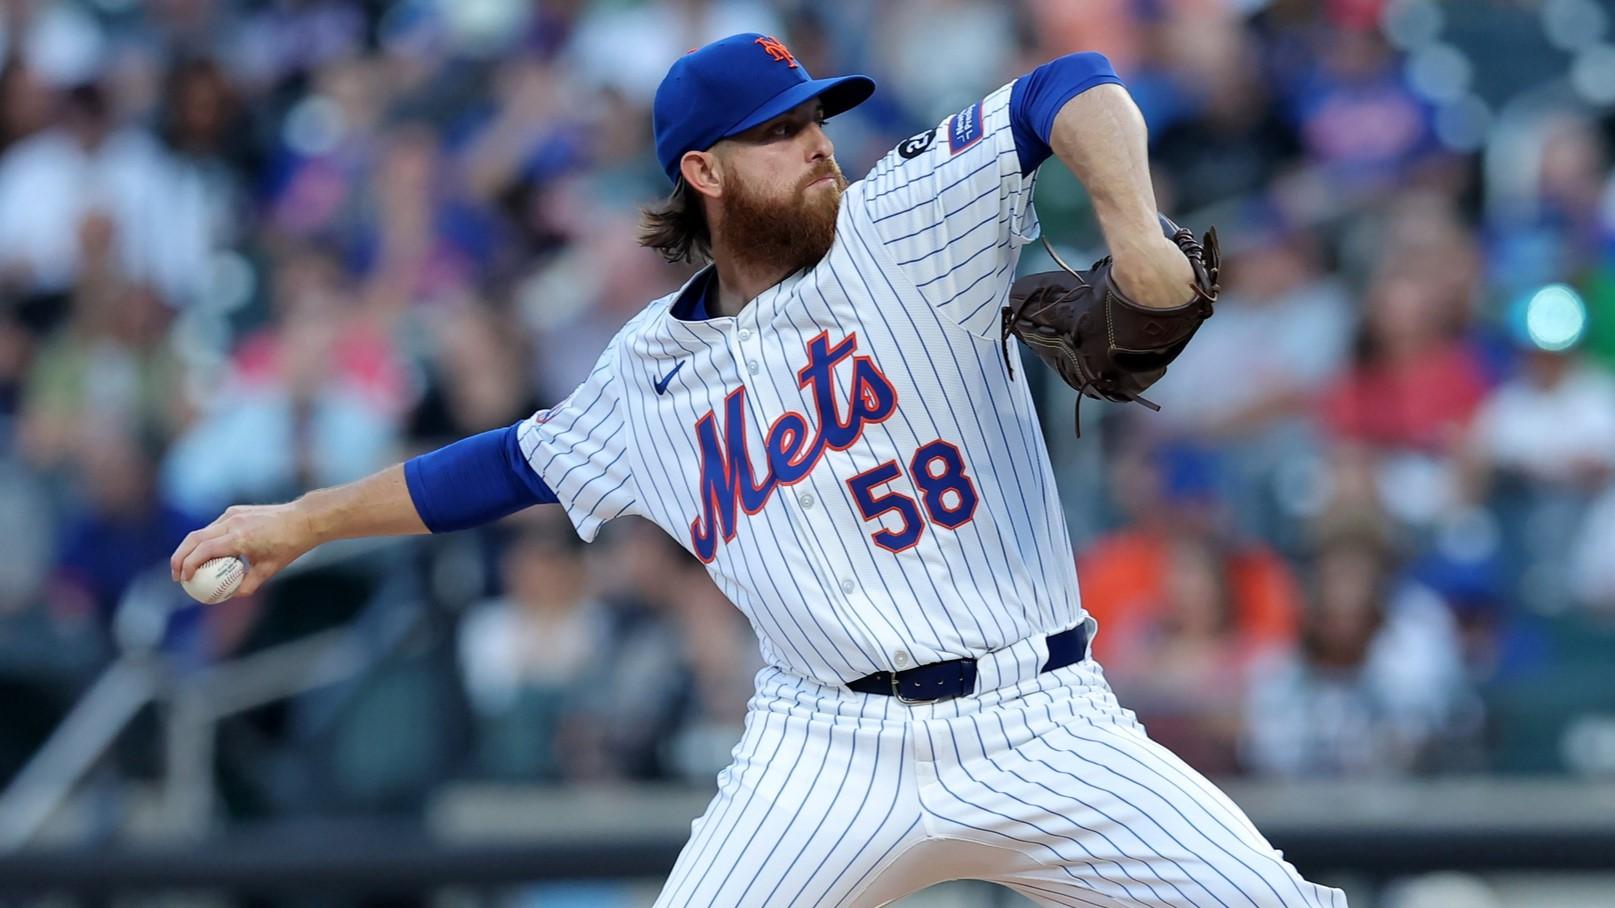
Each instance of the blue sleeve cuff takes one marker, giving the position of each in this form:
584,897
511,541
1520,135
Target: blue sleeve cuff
474,481
1038,96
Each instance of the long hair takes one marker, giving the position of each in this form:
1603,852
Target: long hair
676,227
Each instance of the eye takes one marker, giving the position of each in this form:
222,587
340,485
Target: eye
781,129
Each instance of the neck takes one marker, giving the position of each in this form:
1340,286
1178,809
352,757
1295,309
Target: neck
740,282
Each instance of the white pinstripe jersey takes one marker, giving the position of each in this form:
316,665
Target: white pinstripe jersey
847,454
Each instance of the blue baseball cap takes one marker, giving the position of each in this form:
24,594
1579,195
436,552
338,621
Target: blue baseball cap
733,84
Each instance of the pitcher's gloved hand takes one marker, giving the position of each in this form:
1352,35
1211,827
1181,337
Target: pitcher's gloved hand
1103,344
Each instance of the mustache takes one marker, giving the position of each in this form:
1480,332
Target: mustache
829,170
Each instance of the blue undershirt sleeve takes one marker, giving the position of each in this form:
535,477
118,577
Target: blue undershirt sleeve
474,481
1038,96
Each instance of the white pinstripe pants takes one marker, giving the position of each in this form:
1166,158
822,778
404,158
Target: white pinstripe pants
1045,785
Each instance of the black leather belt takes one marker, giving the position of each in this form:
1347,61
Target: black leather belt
957,677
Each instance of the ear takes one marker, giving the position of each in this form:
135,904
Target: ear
703,172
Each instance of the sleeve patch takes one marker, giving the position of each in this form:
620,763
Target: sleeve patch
914,146
965,128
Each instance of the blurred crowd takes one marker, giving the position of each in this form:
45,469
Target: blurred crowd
251,248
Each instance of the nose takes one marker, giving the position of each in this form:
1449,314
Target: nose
819,145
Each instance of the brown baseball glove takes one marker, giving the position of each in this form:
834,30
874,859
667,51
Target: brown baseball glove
1101,343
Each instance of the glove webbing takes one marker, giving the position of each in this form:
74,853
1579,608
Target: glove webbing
1010,316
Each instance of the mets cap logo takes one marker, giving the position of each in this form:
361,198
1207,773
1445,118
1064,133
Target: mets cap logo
777,51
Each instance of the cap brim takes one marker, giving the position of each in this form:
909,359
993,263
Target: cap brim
840,94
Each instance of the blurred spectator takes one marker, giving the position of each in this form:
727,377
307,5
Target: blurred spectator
975,37
1375,682
1573,171
720,654
476,377
1592,561
1182,612
1552,426
658,34
169,206
683,661
1357,119
186,208
121,527
52,181
281,40
1247,387
417,239
670,706
1178,657
312,400
25,103
28,523
1543,449
1546,208
1414,385
1221,137
61,40
1111,26
1415,229
577,299
326,149
1411,391
112,361
647,694
529,658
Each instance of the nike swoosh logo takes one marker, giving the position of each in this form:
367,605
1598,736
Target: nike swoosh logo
661,386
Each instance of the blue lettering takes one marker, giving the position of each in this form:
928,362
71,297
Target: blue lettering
727,479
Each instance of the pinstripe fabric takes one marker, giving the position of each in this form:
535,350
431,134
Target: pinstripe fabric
1047,786
835,587
864,480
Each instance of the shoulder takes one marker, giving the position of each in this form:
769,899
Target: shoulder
946,147
641,324
646,317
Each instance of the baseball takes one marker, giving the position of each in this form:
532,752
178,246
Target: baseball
216,580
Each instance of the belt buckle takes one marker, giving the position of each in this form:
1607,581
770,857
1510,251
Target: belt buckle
897,692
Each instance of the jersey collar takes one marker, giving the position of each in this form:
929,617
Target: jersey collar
693,302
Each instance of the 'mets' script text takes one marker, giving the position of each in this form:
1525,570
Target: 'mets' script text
793,444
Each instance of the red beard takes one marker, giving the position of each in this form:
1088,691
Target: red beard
795,234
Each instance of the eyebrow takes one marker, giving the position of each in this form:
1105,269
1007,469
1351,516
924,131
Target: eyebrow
795,115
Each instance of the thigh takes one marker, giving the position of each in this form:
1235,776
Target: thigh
1106,816
810,813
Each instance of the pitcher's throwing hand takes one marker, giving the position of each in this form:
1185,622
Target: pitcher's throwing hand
268,537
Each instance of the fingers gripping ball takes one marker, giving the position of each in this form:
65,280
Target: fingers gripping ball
216,580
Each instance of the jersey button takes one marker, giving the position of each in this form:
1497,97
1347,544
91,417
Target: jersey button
752,367
899,658
806,499
745,334
846,586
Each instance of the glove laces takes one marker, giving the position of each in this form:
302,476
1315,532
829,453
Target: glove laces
1040,296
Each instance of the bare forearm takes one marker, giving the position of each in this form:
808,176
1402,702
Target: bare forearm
1101,136
271,536
378,505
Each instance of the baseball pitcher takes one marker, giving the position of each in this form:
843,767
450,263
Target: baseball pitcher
826,416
